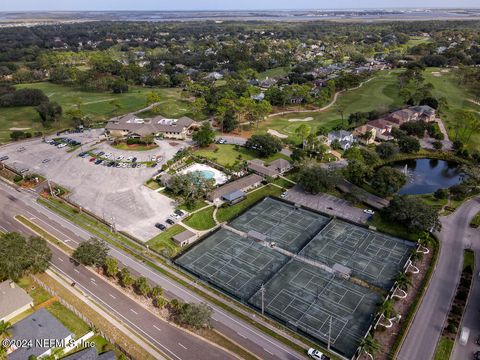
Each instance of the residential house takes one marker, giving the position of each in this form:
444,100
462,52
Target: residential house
345,138
383,128
130,126
214,76
274,169
400,117
184,238
268,82
360,134
424,112
243,184
13,300
297,100
258,97
39,325
234,197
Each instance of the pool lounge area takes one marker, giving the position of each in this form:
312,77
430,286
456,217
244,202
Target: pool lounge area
207,172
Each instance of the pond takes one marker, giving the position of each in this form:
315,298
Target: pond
425,176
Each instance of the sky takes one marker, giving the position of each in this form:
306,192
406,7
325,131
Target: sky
59,5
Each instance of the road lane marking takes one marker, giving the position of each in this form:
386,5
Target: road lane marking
157,328
242,335
60,259
112,296
152,339
78,272
134,311
182,346
268,351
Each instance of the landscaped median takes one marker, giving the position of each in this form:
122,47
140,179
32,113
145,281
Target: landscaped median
457,308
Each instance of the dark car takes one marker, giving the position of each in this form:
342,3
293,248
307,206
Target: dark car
82,154
134,165
160,226
154,165
5,157
100,153
134,159
98,162
476,356
170,221
179,212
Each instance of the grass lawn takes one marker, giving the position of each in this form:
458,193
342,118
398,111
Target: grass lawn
134,147
198,205
381,93
163,242
202,220
97,106
475,223
468,259
68,318
227,155
152,184
37,293
283,183
394,229
277,72
229,212
444,349
433,201
445,86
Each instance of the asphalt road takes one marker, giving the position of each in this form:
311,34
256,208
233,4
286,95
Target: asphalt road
426,328
241,332
170,340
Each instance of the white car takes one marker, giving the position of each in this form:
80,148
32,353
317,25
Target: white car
61,145
315,354
283,194
369,212
130,158
119,157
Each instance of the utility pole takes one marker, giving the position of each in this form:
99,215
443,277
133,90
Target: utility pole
262,289
50,187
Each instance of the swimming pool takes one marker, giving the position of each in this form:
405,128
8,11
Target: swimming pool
207,172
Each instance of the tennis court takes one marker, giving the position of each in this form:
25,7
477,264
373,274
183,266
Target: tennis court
233,263
372,256
299,289
289,227
309,299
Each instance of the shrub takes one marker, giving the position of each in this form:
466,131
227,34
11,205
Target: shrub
441,194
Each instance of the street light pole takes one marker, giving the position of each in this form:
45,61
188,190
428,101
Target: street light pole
329,332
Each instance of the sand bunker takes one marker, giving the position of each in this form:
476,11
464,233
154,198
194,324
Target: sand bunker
301,120
277,134
18,129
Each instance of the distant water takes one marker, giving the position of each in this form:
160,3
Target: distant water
276,15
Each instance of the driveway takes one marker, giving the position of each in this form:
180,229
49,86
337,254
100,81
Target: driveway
115,194
327,204
428,323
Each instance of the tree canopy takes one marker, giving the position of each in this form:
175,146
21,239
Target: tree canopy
21,256
91,252
265,145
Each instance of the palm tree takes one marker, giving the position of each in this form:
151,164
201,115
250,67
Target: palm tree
403,280
386,308
369,345
4,328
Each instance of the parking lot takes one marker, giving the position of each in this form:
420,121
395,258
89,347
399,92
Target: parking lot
116,194
328,204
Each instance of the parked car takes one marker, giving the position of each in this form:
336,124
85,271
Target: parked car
315,354
62,145
134,159
476,355
170,221
101,153
45,161
20,149
119,157
97,162
369,211
160,226
3,158
179,212
283,194
24,170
